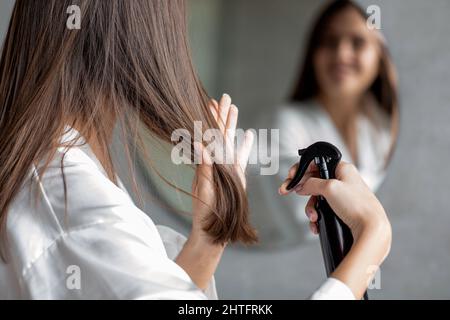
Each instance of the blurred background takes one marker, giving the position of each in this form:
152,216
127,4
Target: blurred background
252,50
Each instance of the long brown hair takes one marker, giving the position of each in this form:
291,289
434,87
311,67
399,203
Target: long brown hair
384,88
131,61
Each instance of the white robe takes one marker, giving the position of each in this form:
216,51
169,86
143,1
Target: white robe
102,247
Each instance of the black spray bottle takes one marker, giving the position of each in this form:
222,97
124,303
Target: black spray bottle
335,237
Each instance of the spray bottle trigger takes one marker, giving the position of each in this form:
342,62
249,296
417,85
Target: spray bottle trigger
317,152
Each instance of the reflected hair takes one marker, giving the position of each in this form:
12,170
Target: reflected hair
129,63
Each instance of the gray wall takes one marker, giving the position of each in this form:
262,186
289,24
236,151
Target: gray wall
259,57
5,13
415,192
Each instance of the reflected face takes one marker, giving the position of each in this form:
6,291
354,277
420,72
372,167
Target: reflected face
347,60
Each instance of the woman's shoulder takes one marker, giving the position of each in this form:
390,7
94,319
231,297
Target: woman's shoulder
97,227
71,194
84,186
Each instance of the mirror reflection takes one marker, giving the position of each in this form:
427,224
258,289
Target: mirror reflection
327,77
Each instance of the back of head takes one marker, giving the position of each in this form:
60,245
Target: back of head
129,62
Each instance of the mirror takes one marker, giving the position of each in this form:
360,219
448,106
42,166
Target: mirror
310,72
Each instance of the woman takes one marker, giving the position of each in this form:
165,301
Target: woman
346,94
69,227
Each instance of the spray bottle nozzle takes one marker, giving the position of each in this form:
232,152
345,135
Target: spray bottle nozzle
324,154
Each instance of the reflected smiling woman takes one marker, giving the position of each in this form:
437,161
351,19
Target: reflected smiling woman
346,93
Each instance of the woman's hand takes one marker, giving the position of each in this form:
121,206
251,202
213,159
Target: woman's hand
348,196
226,116
200,256
357,206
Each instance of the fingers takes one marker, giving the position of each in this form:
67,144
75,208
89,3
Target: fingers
312,171
283,188
310,210
221,113
292,171
318,187
312,215
313,227
230,130
224,108
214,107
226,116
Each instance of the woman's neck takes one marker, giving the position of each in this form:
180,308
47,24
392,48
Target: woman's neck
344,114
98,150
96,144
